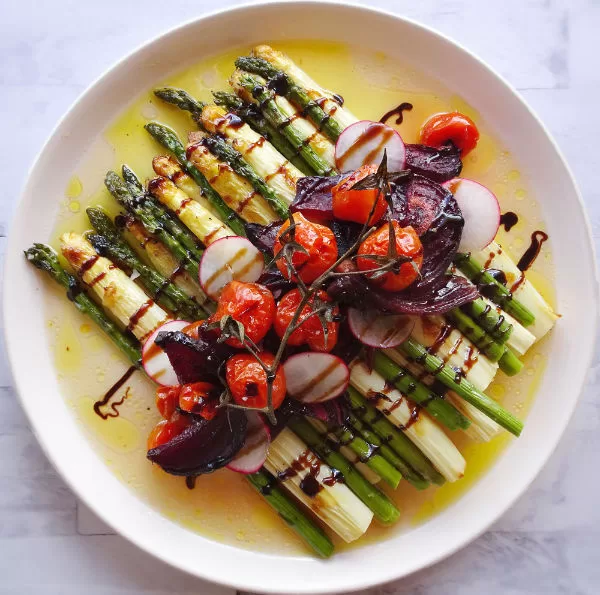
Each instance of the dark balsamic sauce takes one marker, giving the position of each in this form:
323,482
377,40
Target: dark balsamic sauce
509,220
397,111
537,239
310,486
190,481
498,275
113,412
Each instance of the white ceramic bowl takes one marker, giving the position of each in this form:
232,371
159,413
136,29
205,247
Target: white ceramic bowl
571,341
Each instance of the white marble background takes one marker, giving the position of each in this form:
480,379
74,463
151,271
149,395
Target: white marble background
548,543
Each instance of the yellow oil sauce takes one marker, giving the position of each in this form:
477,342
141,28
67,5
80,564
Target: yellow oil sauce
223,506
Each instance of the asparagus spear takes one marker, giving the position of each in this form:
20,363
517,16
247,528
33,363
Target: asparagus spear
108,242
167,137
253,117
395,439
253,88
494,289
312,534
153,226
493,350
382,507
510,364
226,153
357,427
295,93
489,319
181,233
461,386
439,409
45,258
368,454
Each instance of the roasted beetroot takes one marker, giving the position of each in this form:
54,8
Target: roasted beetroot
263,236
203,446
439,165
313,197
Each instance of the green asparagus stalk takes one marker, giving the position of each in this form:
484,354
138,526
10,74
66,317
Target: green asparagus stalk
277,118
167,137
153,226
382,507
219,148
312,534
45,258
462,387
253,117
368,454
357,427
497,292
294,92
470,329
441,410
109,242
394,438
489,319
171,223
510,364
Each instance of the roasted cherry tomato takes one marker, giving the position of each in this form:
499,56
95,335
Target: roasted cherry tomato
247,380
407,244
319,243
311,330
192,329
356,205
249,303
166,429
200,398
451,126
167,399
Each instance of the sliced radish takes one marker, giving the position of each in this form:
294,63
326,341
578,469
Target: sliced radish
228,259
155,361
313,377
380,330
480,210
253,454
364,142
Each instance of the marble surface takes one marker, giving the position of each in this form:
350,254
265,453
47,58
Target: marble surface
549,542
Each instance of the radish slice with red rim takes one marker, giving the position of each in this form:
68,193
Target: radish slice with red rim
364,142
313,377
155,361
380,330
251,457
229,259
480,210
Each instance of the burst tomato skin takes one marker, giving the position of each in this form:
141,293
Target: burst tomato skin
356,205
167,399
200,398
247,380
450,126
309,332
316,239
249,303
167,429
407,244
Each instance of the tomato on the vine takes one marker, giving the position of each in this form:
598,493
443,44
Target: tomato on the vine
247,380
167,429
200,398
451,126
356,205
377,244
319,243
249,303
167,399
311,331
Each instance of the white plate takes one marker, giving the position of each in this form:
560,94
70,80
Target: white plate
571,341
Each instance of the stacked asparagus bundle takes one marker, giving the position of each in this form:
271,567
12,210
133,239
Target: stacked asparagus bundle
242,164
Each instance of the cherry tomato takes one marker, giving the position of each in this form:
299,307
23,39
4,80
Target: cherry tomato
192,329
407,244
166,429
247,380
249,303
316,239
451,126
200,398
167,399
356,205
311,330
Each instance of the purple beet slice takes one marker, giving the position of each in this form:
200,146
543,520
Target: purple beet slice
313,197
439,165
